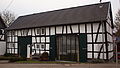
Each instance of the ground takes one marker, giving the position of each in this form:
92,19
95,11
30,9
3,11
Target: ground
11,65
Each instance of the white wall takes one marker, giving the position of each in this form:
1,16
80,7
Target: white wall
2,47
51,30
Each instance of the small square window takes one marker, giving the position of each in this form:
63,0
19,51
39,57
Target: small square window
38,31
38,46
0,31
13,33
42,46
12,45
43,31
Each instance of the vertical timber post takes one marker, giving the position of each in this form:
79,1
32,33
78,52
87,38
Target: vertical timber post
106,44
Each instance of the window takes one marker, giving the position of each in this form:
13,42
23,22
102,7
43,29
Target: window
38,46
12,33
38,31
42,46
1,31
11,45
43,31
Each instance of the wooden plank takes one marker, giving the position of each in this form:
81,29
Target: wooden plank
100,52
83,47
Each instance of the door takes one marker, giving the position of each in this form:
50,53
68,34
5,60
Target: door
83,47
22,43
67,47
52,47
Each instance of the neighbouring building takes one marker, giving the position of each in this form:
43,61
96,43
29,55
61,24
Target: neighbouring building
117,42
72,34
2,37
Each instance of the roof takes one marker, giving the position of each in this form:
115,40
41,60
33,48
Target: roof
80,14
2,24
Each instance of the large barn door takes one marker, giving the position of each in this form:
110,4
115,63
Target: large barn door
83,48
22,43
67,47
52,47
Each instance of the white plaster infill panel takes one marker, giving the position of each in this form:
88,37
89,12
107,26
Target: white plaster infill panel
2,47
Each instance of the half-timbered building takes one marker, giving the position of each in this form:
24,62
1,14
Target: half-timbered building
71,34
2,37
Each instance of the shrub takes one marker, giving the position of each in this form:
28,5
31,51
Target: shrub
10,55
98,61
4,58
17,59
44,57
12,59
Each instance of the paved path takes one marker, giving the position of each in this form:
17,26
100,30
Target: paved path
4,61
58,66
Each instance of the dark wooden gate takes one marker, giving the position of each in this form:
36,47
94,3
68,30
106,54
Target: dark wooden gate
22,44
52,55
83,48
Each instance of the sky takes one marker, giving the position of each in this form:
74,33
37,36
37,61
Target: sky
25,7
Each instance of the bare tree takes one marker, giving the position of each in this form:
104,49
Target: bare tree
8,17
117,23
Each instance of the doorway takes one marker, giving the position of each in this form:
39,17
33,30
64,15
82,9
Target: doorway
67,47
22,45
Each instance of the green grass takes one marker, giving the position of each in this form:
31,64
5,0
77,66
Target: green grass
49,62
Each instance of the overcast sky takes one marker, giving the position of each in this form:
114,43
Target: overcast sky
24,7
